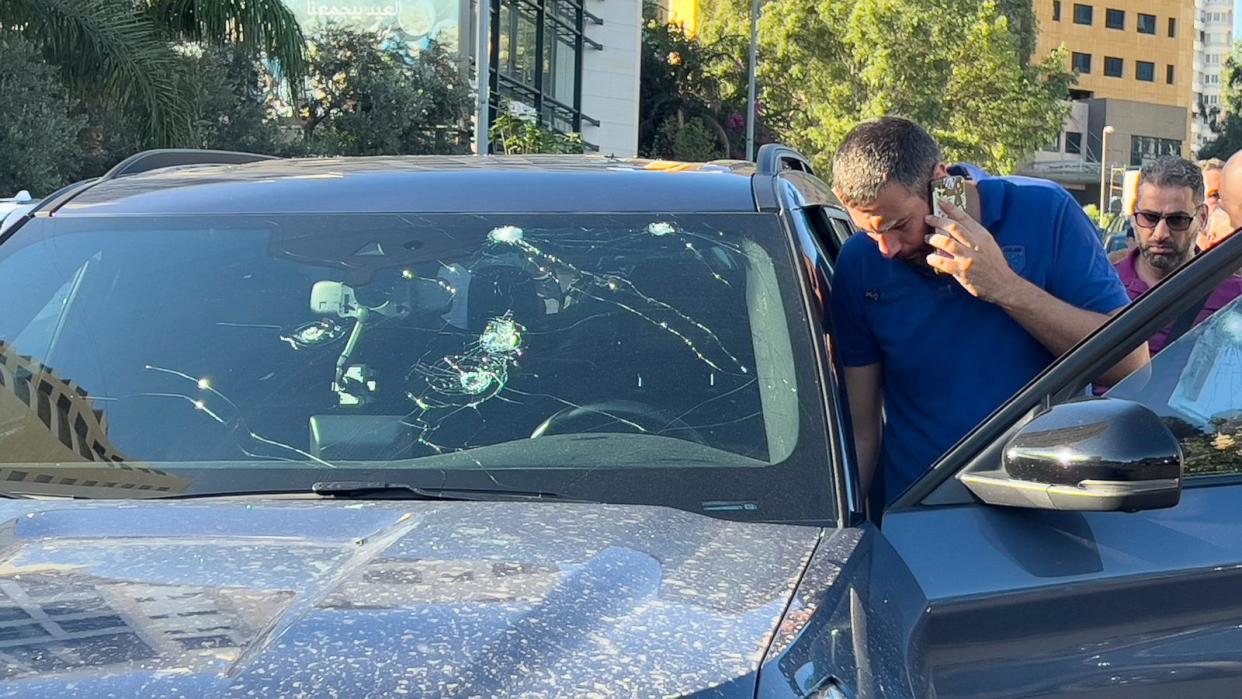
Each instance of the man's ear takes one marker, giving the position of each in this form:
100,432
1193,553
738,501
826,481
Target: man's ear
940,171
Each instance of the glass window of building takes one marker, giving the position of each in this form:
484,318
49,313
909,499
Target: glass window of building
1073,142
1083,14
539,46
1082,62
1144,149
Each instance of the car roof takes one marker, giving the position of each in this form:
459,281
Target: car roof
423,184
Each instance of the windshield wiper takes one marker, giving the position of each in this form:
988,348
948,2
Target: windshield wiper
403,491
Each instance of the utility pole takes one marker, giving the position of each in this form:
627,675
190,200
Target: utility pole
750,82
1108,131
482,64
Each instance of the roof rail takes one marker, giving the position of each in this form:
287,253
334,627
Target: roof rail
773,158
172,157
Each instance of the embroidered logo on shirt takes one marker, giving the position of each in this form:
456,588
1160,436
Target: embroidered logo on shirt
1015,255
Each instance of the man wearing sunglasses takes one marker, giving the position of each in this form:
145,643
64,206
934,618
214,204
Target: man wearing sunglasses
1169,215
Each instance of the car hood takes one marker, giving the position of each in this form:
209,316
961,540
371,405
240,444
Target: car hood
263,597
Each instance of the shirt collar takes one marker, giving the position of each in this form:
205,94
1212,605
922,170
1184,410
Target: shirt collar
992,193
1128,271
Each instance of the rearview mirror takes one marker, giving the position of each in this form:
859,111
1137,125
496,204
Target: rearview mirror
1102,454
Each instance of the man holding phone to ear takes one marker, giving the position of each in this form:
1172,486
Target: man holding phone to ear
940,319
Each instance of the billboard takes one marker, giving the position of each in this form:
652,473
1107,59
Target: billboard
407,25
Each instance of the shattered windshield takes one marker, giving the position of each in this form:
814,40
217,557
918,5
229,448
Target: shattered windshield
628,358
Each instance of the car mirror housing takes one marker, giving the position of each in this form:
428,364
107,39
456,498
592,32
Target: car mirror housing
1102,454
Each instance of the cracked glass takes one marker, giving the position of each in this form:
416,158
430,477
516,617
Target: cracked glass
640,357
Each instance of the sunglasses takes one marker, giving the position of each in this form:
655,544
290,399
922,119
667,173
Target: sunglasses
1177,221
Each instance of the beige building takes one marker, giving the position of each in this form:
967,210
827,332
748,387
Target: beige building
1136,96
1134,50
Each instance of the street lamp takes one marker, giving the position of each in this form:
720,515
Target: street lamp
483,73
1108,130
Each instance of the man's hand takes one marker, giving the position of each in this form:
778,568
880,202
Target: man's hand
978,264
971,255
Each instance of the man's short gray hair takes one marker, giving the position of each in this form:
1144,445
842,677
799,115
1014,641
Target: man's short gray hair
880,151
1172,171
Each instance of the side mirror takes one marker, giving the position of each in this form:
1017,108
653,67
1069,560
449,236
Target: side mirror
1098,455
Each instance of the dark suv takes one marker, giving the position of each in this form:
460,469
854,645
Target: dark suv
553,426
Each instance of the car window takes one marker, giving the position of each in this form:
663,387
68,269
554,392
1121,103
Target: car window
587,348
1195,385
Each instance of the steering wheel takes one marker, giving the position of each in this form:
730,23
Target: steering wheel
636,416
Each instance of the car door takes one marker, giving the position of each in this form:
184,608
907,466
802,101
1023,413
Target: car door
857,623
1045,603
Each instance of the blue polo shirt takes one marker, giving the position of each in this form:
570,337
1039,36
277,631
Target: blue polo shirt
948,358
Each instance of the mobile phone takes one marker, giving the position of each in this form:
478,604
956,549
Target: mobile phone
951,189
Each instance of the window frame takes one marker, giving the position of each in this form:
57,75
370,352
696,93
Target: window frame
1120,72
1056,10
1074,137
1074,62
1079,16
1138,71
1112,12
1139,24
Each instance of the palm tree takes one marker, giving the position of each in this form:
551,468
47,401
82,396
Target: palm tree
122,49
261,27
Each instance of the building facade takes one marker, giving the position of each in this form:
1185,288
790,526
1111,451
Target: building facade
1136,67
572,63
1213,46
1135,50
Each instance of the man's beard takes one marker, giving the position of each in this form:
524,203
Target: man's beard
918,261
1166,262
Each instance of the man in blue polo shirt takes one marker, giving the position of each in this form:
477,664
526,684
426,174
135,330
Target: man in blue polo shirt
938,321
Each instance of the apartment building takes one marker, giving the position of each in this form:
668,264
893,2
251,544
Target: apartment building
1135,98
1213,45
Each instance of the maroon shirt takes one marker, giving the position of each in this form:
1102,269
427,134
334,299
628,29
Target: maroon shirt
1228,290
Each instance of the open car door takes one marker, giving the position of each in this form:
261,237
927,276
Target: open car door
1090,546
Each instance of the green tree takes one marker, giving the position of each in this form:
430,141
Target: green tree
692,98
686,139
222,94
954,66
369,100
225,101
514,133
121,50
38,126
